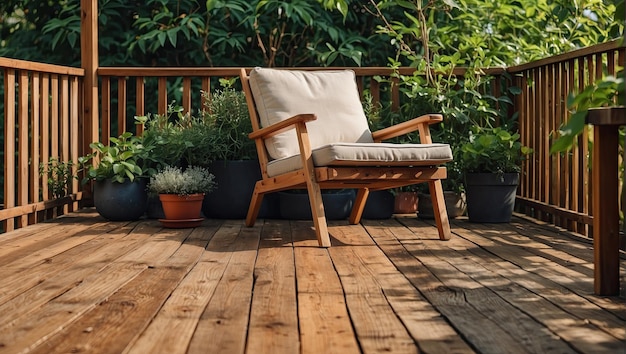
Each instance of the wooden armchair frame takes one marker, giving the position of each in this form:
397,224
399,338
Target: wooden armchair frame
364,179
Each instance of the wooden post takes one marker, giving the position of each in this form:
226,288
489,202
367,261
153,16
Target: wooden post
88,125
606,123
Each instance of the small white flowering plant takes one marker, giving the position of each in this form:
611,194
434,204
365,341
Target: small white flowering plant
175,180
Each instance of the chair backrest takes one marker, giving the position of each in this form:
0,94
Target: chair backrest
331,95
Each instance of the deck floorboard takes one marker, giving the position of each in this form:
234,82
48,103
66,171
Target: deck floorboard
82,284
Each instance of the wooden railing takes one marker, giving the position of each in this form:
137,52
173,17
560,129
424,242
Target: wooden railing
129,92
41,121
556,188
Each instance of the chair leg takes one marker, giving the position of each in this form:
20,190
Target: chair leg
317,211
255,206
439,209
359,205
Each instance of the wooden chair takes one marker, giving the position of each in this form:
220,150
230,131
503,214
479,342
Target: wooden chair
311,133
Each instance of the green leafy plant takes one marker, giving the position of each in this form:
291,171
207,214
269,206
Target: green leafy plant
60,175
164,138
175,180
602,93
226,122
493,150
125,158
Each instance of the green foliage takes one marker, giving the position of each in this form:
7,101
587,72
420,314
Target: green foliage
60,175
493,150
437,37
281,33
175,180
194,33
125,158
498,33
602,93
226,123
163,136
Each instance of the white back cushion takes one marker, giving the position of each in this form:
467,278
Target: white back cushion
332,95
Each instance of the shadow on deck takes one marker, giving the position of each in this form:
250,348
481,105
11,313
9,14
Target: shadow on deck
82,284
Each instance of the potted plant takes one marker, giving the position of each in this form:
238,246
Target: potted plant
225,122
181,192
118,171
492,161
59,175
167,139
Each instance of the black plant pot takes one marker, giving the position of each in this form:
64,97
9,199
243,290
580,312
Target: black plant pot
379,205
455,205
155,208
296,206
490,197
235,184
121,201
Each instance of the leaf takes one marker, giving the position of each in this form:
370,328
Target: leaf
452,4
569,132
162,36
172,35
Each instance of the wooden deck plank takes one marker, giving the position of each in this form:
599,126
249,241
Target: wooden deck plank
557,273
174,325
274,324
579,306
53,260
384,286
325,325
577,249
56,280
113,324
91,291
222,328
530,334
556,317
24,254
377,327
467,305
429,328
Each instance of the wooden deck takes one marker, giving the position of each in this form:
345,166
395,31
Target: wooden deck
81,284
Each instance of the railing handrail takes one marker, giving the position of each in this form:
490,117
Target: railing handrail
43,67
574,54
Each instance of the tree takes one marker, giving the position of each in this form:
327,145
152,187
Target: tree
193,33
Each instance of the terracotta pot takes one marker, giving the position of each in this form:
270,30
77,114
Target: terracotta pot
405,203
182,207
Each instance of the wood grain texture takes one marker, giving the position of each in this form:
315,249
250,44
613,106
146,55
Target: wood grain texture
83,284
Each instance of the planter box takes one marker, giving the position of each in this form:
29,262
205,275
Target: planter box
379,205
296,206
490,198
235,185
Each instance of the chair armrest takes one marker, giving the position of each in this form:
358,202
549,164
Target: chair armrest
409,126
282,126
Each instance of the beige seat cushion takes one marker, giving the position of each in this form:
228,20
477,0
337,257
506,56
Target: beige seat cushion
332,95
367,154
